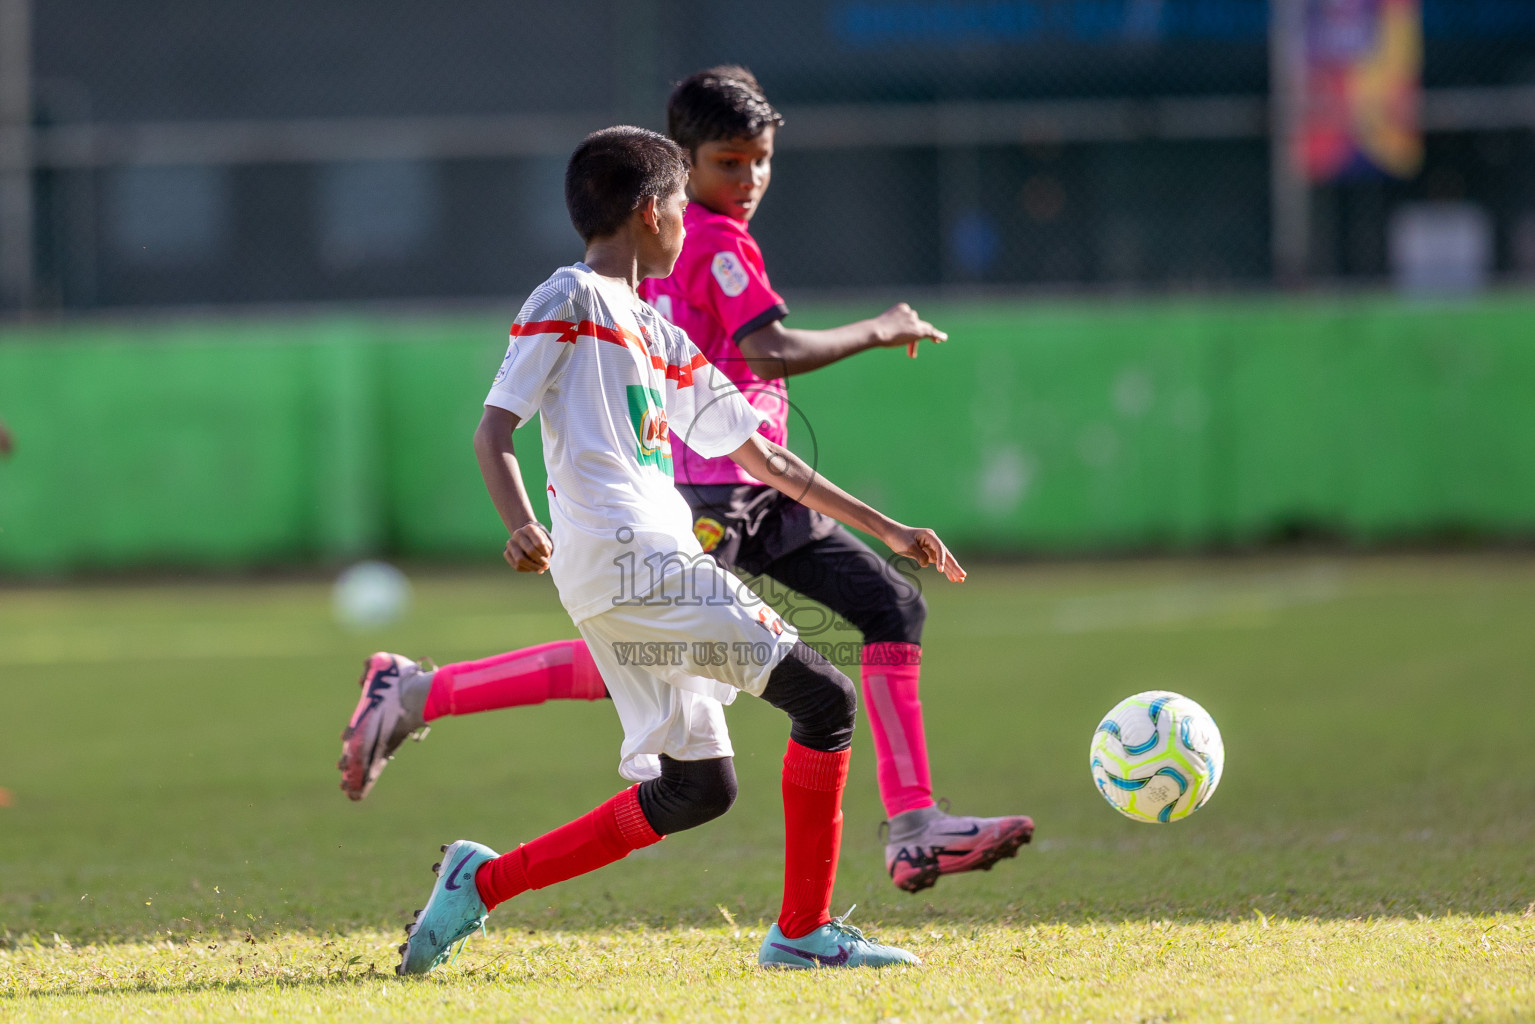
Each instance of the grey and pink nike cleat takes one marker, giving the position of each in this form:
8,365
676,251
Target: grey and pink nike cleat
380,722
939,843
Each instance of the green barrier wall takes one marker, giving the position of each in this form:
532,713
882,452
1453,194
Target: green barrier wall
1188,425
1038,428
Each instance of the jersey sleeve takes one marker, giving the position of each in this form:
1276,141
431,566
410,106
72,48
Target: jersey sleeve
705,409
734,282
539,350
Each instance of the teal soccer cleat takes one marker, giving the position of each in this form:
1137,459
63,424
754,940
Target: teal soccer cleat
837,944
453,912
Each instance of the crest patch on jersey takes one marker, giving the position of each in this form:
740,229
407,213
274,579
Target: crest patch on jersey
729,273
709,532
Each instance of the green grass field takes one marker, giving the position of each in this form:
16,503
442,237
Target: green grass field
172,841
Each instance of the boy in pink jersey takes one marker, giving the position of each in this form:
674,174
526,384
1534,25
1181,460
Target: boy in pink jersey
719,293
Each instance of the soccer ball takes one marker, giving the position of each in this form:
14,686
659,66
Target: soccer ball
370,594
1157,757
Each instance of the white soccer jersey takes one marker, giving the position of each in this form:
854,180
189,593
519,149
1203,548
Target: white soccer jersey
611,379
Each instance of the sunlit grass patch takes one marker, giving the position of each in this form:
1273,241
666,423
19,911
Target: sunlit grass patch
1263,968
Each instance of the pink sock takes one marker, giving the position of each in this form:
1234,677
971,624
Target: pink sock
890,674
562,670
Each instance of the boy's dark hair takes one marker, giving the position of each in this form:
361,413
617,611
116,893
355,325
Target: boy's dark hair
615,170
718,103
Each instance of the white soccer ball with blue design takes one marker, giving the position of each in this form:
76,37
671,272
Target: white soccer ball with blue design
1157,757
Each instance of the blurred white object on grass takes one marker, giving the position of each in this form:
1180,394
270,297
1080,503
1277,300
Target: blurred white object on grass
370,594
1441,248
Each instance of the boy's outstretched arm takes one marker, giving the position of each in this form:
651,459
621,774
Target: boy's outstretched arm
778,467
778,351
529,547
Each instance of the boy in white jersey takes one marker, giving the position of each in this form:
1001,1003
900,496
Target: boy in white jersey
720,295
610,378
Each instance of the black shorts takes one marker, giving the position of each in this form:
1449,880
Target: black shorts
759,531
750,526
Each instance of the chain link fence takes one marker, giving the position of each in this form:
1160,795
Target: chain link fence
167,152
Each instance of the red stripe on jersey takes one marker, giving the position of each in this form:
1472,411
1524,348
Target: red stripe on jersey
683,375
567,332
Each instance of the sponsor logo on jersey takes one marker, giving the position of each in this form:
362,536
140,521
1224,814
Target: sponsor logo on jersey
506,365
770,621
729,273
655,435
648,416
709,532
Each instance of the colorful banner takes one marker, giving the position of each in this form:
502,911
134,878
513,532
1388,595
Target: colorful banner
1364,64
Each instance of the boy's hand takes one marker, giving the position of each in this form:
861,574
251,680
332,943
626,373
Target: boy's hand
899,325
528,549
924,546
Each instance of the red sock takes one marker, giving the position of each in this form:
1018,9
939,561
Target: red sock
607,833
562,670
813,781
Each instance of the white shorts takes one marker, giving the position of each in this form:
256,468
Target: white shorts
671,669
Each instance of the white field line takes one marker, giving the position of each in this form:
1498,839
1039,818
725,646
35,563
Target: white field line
1246,602
1250,602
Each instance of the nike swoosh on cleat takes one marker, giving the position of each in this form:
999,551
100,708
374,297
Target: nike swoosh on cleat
452,882
973,830
823,960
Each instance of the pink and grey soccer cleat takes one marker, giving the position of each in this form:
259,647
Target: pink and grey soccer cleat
946,844
380,722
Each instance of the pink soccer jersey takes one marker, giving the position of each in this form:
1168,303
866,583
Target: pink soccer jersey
719,293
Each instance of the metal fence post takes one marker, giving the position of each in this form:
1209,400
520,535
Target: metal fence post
640,91
16,228
1289,192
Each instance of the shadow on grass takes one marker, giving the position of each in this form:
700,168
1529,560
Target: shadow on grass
1267,909
236,986
1233,875
1383,896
